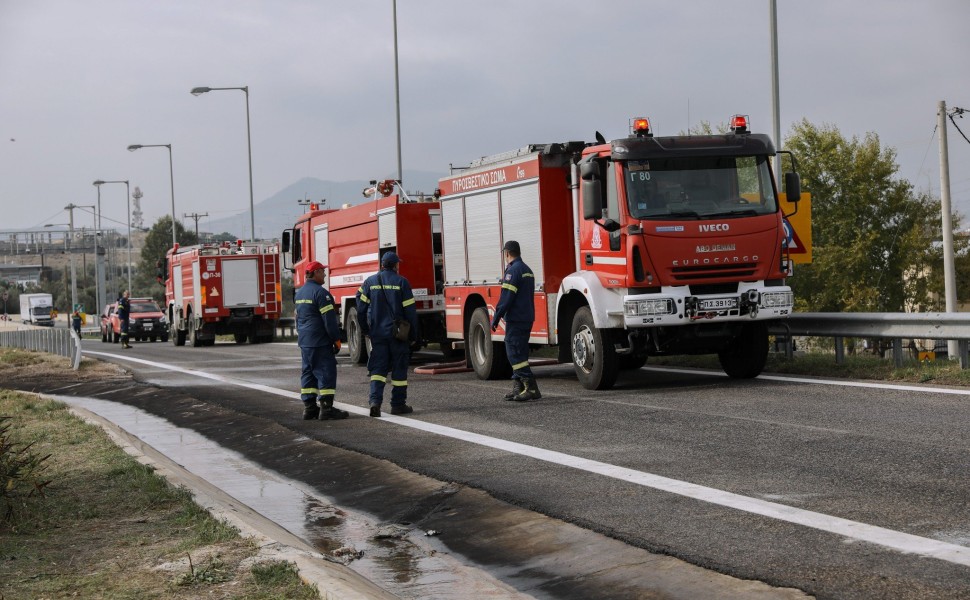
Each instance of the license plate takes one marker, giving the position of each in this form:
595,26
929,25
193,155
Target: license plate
718,303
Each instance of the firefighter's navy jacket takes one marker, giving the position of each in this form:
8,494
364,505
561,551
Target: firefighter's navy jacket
316,319
124,308
518,287
384,297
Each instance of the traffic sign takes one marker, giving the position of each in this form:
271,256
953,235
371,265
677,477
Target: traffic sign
798,227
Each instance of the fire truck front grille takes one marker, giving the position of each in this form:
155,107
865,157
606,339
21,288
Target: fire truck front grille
713,288
736,270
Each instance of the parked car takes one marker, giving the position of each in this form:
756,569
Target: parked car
146,322
106,322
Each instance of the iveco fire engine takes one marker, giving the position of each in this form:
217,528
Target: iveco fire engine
350,241
640,246
215,289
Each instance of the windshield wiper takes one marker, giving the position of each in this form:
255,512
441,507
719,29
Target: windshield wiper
681,214
748,212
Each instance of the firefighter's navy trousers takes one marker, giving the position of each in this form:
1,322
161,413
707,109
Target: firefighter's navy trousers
388,355
319,374
517,348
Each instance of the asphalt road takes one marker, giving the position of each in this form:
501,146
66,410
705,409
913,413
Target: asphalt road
838,489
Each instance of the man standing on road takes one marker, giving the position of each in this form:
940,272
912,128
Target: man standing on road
124,310
383,302
318,336
516,305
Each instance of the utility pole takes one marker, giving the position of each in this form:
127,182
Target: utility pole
196,217
70,209
949,270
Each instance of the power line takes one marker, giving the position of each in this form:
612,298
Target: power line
958,112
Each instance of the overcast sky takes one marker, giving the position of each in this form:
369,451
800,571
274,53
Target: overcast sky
82,80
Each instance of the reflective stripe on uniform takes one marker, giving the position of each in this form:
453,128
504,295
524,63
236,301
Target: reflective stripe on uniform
520,365
509,286
399,383
408,302
309,390
528,275
385,287
327,392
326,309
380,378
304,301
364,298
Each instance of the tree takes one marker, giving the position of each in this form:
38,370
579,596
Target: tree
157,243
225,236
872,233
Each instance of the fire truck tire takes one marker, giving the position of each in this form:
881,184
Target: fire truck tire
164,338
194,340
115,338
178,336
487,358
355,339
104,336
594,356
239,337
745,356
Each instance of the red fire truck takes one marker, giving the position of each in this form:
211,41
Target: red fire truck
640,246
350,241
216,289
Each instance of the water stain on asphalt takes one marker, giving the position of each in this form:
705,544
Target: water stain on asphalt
401,561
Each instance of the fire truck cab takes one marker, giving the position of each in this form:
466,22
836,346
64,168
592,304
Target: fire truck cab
640,246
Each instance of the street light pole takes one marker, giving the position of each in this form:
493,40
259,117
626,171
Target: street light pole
171,178
128,207
249,145
98,260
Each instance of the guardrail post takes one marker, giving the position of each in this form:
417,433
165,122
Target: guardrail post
898,352
964,346
839,351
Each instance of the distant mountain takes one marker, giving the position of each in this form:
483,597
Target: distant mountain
280,211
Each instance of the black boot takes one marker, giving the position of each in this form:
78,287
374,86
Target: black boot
531,391
327,411
310,410
517,388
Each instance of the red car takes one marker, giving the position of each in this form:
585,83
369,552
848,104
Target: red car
146,322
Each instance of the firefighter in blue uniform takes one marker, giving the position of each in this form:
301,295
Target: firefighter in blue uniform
124,312
318,336
516,306
384,298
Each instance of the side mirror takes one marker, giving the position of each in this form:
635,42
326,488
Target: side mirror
285,241
793,187
589,172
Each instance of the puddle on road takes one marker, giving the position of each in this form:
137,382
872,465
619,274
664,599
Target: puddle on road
399,558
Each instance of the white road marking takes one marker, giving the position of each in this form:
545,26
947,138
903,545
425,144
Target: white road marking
888,538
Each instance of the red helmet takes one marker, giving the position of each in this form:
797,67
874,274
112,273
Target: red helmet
312,266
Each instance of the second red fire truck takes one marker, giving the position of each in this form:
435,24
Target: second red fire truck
350,241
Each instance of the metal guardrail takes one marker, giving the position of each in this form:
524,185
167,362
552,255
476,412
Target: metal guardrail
53,340
894,326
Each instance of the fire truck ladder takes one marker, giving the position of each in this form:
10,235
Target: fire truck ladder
270,277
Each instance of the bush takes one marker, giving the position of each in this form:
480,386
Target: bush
20,474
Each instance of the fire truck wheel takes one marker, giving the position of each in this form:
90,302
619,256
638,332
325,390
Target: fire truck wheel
594,356
194,340
239,337
355,339
745,356
104,336
178,335
487,358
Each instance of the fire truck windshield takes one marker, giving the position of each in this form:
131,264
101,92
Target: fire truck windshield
699,187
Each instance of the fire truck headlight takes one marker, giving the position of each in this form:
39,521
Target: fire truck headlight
659,306
776,299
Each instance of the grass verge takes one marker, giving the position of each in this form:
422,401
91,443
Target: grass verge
109,527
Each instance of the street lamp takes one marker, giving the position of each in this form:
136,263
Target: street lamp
99,183
252,213
98,261
171,177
